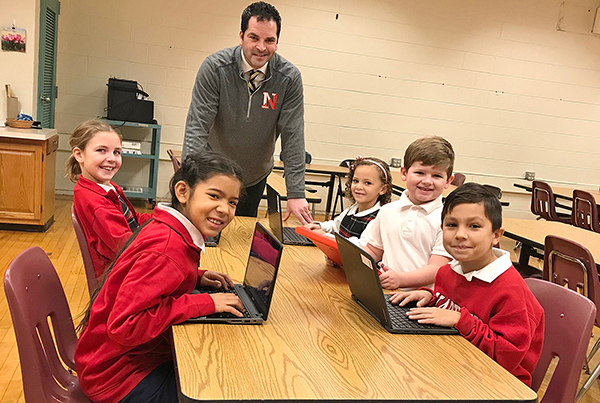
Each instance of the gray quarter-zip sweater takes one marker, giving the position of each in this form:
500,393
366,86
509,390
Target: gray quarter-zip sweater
224,116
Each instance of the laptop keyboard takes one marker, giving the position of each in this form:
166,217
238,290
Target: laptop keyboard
400,320
225,314
291,236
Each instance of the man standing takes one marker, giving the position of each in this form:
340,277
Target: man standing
243,99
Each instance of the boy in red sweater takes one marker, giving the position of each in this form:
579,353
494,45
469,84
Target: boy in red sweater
480,293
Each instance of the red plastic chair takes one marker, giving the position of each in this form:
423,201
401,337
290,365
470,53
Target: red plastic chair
585,211
88,264
569,320
35,297
459,179
571,265
543,203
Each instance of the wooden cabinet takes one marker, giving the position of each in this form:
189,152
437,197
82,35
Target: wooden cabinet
27,172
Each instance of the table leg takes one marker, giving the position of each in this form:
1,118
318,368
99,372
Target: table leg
329,196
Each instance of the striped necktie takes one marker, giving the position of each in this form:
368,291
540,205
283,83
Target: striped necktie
251,78
128,215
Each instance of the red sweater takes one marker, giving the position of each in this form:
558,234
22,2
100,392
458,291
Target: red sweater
502,318
101,216
148,290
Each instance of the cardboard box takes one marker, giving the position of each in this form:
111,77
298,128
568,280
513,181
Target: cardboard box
12,104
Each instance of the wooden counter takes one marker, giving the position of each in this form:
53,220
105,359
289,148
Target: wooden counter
27,172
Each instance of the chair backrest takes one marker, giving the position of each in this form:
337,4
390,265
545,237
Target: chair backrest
569,320
36,297
585,211
88,263
571,265
459,179
346,163
542,201
174,160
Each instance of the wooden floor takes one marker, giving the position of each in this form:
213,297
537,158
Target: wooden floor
60,244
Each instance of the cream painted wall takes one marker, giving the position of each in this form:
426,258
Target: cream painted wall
497,79
20,69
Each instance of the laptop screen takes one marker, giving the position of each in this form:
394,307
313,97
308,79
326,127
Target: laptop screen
262,267
274,212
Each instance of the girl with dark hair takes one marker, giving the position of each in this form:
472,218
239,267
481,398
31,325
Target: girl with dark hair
124,353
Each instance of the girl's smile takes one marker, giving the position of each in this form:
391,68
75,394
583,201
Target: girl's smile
366,186
211,204
100,160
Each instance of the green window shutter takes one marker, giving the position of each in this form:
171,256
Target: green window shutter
47,92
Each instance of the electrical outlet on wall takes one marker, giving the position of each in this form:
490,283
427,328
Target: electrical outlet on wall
529,176
396,162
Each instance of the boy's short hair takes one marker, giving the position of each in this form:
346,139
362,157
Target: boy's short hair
431,150
475,193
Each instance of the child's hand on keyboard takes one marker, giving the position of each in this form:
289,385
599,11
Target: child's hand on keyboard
216,280
226,302
421,297
434,316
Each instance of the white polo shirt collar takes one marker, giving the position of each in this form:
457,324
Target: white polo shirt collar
490,272
196,235
429,207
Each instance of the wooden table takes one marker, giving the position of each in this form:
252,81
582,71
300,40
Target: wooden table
318,344
532,234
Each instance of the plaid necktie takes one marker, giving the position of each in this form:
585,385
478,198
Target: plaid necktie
128,215
251,78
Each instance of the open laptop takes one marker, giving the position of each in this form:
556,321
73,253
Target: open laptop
286,235
259,281
213,240
363,279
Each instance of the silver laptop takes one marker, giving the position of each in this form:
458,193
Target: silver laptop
286,235
363,279
259,281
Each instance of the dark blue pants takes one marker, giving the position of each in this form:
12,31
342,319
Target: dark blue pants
159,386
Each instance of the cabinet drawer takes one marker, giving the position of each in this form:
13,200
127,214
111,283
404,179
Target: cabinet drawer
51,145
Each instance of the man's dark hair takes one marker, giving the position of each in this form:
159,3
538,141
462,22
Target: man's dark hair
475,193
263,12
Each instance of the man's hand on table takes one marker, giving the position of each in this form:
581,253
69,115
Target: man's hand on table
298,207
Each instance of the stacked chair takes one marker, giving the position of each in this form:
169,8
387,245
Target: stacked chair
543,203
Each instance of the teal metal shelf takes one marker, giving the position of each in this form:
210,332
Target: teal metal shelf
148,192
